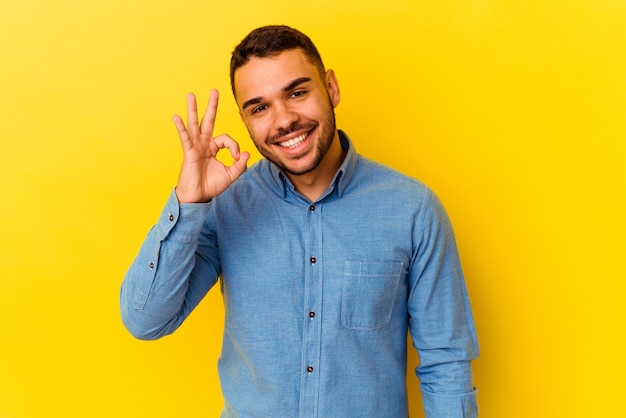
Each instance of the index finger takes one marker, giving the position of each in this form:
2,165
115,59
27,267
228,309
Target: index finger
192,116
208,120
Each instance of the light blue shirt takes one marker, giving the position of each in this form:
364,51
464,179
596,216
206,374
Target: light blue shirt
318,295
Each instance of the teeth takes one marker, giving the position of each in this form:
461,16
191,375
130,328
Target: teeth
292,143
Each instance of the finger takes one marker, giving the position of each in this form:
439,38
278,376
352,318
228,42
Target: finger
238,166
225,141
185,141
192,116
208,120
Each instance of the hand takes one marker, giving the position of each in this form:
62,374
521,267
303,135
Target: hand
202,177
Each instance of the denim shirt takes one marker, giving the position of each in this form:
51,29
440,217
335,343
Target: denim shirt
318,295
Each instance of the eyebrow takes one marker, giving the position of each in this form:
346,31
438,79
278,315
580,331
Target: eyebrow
293,84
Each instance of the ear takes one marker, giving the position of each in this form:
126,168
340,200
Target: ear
333,87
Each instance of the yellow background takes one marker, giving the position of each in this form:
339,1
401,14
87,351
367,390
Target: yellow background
513,111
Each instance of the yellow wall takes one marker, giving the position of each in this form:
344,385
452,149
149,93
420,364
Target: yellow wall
513,111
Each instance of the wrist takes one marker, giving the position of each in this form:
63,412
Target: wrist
184,198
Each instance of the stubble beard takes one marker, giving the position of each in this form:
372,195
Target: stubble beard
326,139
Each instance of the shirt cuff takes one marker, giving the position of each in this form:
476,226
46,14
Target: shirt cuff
450,406
187,219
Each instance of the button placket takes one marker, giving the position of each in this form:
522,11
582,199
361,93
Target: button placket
312,313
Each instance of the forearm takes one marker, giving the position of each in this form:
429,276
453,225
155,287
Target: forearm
461,405
445,370
164,282
441,323
446,377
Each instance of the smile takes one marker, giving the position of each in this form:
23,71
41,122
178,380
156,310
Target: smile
292,143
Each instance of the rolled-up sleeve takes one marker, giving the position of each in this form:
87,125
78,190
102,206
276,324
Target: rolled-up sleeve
444,406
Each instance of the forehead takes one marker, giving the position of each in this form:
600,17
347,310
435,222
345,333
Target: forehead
261,77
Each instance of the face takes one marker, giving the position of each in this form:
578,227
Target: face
288,109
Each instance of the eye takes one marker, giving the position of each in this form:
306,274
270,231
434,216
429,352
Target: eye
298,93
259,109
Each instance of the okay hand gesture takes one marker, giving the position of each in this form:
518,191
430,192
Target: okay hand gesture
202,177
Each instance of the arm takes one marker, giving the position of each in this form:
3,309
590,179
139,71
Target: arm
441,322
169,277
163,284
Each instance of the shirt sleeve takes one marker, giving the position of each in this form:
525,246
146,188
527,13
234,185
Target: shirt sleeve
167,279
440,317
461,405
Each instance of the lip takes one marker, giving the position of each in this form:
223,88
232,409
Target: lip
292,135
298,148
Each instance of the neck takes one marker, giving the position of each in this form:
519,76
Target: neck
315,182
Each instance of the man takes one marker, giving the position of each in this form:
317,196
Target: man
325,258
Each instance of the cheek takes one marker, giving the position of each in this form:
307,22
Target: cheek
320,108
257,133
253,128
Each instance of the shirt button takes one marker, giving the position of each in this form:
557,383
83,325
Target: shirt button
311,314
171,217
312,208
151,265
313,260
309,369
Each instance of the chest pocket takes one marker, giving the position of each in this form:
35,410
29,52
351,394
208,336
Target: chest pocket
369,292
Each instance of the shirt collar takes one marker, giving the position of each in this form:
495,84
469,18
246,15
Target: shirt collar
342,177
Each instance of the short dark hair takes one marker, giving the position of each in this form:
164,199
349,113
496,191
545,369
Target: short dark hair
268,41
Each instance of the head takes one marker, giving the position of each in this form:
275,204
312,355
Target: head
286,100
270,41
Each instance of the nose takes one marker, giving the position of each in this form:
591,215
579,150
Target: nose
284,116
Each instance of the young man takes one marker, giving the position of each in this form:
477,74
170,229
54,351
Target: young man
326,258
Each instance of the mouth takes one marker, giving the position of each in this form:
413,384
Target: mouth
293,142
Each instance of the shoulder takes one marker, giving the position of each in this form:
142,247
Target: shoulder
388,188
388,181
